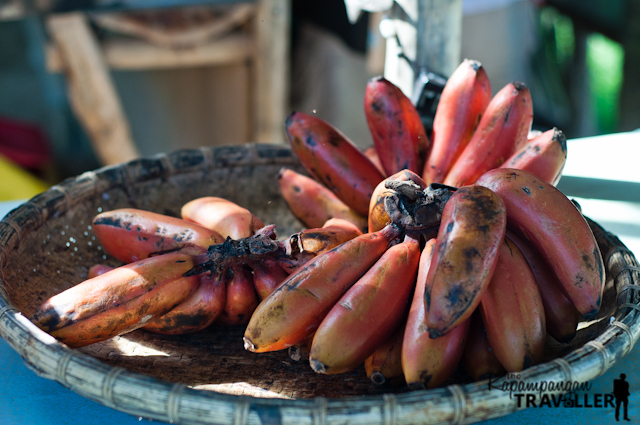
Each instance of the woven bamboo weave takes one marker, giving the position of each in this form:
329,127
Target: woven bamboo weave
47,246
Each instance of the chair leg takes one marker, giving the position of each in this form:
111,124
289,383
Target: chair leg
92,93
271,70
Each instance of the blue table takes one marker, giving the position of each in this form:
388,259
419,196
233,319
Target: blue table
26,399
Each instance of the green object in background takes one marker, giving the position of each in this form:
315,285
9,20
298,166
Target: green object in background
17,183
604,62
605,59
565,41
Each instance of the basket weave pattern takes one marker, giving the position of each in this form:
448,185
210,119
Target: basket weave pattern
47,245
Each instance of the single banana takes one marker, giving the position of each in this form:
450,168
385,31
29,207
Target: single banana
561,316
471,230
427,362
512,311
502,130
222,216
267,276
241,298
131,234
384,366
398,134
544,156
479,359
333,160
547,219
462,103
312,203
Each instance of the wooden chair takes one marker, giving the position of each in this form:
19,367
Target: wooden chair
86,61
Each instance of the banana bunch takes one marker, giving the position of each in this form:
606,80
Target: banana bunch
160,287
471,255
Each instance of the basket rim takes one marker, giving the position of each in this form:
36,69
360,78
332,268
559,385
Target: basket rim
130,392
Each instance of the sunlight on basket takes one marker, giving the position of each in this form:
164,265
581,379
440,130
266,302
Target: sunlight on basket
243,388
138,350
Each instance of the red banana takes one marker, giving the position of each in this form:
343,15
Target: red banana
116,302
384,366
547,219
427,362
197,311
561,316
471,230
372,154
395,125
97,270
222,216
544,156
340,223
368,313
503,129
130,234
479,359
333,160
462,103
242,299
312,203
512,311
297,307
267,276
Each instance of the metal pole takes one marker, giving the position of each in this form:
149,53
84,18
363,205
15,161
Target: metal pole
421,33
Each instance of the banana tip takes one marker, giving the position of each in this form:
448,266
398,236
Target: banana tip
474,64
248,345
318,366
295,353
377,378
565,339
590,315
416,385
519,85
435,333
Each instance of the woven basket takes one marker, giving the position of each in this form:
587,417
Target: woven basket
47,245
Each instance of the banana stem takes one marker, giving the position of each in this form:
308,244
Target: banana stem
219,257
417,211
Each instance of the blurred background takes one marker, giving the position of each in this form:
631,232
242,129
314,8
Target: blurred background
90,83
